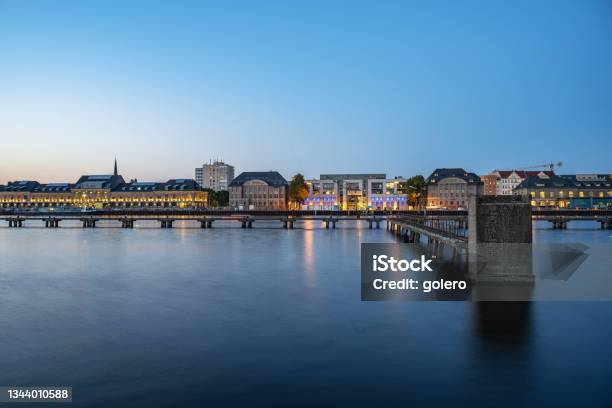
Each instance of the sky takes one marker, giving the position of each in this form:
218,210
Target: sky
311,87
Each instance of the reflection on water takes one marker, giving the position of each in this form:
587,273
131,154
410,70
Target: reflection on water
272,317
507,322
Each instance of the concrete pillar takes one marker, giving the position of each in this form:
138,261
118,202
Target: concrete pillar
499,239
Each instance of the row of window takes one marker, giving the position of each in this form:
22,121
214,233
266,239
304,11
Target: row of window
570,194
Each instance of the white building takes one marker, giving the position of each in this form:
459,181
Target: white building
357,194
322,195
216,176
387,194
508,180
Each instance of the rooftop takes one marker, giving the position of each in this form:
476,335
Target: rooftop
271,178
443,173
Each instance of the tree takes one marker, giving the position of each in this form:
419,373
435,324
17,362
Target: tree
416,192
223,198
217,198
298,189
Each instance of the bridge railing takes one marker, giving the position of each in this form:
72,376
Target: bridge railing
448,227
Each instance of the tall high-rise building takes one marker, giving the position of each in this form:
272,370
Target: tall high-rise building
216,175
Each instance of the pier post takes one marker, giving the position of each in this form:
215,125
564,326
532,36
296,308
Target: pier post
500,239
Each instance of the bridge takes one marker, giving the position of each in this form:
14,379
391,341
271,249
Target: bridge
442,225
206,220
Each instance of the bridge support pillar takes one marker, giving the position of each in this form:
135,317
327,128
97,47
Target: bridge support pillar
499,242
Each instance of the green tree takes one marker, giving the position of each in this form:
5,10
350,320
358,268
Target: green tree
298,189
217,198
416,190
223,198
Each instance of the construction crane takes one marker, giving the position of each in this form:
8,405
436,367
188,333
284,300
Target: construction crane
550,166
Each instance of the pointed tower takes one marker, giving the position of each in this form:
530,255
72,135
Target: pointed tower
115,171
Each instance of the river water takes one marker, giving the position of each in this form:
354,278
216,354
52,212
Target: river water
184,317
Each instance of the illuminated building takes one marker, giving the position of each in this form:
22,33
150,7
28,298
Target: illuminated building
103,192
353,189
322,195
262,190
451,188
584,191
388,194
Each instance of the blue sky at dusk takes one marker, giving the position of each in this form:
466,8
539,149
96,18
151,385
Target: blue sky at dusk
313,87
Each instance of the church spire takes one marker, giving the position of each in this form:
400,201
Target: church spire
115,172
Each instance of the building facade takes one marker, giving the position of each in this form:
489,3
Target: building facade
103,192
216,176
503,182
451,188
353,189
388,194
259,191
358,194
489,184
578,191
322,195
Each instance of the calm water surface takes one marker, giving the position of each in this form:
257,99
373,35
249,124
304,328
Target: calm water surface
272,317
